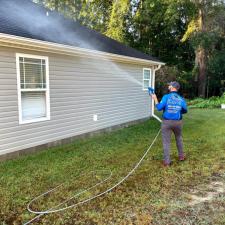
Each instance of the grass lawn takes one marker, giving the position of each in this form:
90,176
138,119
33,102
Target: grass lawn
190,192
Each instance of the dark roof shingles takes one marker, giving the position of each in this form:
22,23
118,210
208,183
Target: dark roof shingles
27,19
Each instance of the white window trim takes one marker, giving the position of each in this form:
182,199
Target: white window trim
21,121
150,80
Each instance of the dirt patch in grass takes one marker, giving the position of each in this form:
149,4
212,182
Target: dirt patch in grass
203,204
211,191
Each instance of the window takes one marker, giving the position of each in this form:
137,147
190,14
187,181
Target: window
147,73
33,88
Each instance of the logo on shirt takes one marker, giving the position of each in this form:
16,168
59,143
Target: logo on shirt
174,104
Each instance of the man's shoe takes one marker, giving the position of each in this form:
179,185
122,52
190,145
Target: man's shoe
182,158
165,164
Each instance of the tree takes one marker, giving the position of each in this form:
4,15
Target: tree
203,30
186,34
94,14
158,26
116,25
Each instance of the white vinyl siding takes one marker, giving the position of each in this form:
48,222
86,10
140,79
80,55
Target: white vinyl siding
80,88
147,73
33,88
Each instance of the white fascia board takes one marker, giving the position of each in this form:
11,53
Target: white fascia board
8,40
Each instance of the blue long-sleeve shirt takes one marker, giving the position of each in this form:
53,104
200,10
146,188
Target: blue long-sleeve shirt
173,106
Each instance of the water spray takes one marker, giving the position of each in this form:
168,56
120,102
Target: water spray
153,87
59,208
63,35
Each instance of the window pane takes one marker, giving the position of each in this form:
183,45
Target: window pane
44,76
43,61
33,105
31,60
33,76
147,74
146,84
22,75
32,73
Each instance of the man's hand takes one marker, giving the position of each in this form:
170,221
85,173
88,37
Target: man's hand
154,97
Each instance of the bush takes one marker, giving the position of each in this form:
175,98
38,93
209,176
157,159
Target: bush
213,102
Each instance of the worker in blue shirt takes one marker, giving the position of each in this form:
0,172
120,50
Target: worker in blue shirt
173,106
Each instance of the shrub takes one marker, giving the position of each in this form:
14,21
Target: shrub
213,102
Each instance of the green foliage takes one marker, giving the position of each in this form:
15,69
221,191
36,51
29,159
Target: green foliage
167,29
94,14
192,28
208,17
158,28
116,27
216,70
213,102
206,40
163,76
171,73
205,30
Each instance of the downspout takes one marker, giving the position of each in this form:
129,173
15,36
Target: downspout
153,86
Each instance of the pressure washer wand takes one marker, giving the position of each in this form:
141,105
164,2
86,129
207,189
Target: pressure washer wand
151,91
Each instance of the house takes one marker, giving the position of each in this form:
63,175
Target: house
60,80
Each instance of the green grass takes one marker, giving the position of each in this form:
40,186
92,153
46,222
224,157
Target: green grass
153,195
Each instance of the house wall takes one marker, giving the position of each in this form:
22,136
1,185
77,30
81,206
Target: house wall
79,88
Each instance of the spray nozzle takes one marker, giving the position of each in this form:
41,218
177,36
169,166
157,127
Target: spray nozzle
151,91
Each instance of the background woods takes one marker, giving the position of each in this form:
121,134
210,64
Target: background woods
188,35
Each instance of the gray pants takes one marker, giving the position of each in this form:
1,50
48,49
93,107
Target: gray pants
169,126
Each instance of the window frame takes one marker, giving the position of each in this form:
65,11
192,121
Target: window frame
149,80
20,90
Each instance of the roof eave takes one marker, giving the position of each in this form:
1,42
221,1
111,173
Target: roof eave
8,40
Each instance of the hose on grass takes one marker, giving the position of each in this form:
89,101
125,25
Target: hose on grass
67,200
56,208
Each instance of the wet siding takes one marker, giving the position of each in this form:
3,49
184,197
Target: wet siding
79,88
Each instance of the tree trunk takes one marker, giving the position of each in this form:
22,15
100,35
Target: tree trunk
201,58
56,5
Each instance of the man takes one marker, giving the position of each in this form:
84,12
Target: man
173,106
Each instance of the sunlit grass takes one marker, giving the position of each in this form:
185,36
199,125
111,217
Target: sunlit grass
153,195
